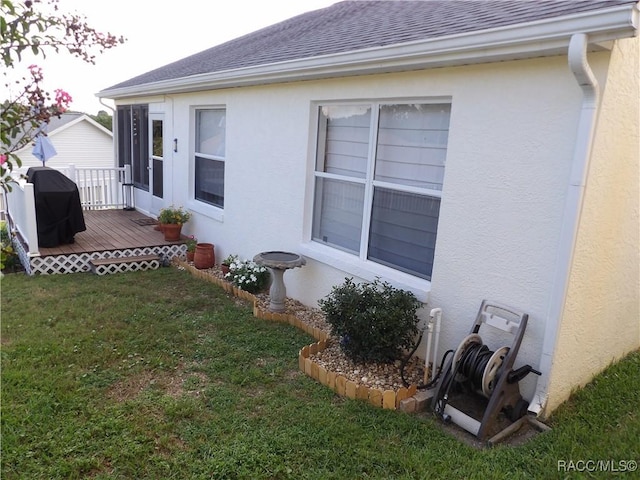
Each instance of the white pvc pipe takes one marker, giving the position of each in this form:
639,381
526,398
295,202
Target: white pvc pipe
463,420
114,131
577,56
428,352
436,313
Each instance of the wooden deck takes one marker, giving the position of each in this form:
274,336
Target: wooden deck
111,230
110,234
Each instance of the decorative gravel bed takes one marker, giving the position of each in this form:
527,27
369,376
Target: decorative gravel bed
372,375
379,384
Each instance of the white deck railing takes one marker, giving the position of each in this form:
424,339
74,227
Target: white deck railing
99,188
21,207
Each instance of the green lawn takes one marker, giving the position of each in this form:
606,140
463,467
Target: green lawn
158,375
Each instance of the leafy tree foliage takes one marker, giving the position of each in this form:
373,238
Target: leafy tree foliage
104,119
23,27
40,27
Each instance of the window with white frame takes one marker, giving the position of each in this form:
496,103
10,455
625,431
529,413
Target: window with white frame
210,155
378,181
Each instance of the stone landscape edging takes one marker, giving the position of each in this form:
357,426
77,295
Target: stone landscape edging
388,399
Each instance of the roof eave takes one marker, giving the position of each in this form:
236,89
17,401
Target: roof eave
519,41
82,118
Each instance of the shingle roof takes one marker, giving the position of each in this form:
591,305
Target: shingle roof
57,122
355,25
51,128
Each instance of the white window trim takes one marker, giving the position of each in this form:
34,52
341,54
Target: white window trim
367,270
358,265
211,211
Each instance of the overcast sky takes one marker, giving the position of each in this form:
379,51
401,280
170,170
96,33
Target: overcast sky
157,33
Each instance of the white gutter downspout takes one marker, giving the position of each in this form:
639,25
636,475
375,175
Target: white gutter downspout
577,56
114,131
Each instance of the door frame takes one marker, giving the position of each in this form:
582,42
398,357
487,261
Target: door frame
156,203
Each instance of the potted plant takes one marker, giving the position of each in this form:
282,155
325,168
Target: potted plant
191,243
226,263
171,219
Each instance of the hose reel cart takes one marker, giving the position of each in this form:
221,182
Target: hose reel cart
476,377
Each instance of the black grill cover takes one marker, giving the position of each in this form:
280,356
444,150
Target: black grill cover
58,209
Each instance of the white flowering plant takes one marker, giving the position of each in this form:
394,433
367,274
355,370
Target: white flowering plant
230,259
248,275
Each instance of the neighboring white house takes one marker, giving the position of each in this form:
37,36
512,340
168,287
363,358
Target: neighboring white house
461,150
78,140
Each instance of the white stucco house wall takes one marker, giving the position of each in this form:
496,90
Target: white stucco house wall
522,179
78,140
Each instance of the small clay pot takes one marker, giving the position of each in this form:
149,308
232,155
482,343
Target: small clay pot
204,256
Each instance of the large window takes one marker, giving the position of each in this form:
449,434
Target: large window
378,181
133,147
210,156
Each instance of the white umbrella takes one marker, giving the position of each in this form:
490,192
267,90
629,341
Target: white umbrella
43,148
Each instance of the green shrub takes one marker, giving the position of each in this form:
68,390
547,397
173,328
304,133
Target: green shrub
8,257
375,321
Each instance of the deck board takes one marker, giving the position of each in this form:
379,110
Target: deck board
111,230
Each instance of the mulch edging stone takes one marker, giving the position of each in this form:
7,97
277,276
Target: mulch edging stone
388,399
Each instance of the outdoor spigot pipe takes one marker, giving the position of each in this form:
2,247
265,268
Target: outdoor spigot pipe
434,319
437,312
428,352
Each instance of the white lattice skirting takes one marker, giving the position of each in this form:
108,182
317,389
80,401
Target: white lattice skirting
134,264
74,263
22,254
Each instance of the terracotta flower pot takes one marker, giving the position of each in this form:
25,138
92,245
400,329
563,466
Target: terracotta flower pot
190,256
225,268
204,256
172,231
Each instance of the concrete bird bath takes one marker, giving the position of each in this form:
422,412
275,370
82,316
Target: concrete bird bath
278,263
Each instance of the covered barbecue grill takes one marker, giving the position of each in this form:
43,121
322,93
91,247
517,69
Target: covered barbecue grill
58,209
